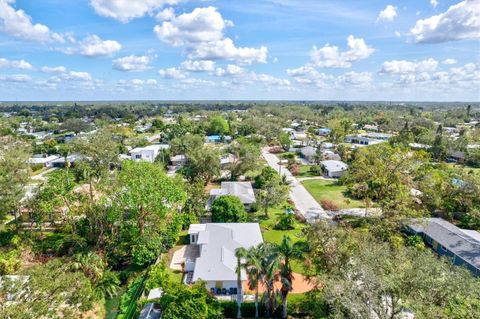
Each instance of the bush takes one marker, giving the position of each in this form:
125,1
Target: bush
329,205
286,222
228,209
294,169
229,309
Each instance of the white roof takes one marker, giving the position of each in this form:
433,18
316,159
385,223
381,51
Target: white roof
334,166
42,160
218,243
242,190
153,147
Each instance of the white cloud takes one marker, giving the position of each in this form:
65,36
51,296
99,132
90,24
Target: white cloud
355,79
405,67
398,34
77,76
202,33
19,24
15,64
17,78
270,80
165,14
198,66
132,63
56,69
172,73
461,21
330,56
434,3
125,10
307,75
135,84
230,69
449,61
387,14
94,46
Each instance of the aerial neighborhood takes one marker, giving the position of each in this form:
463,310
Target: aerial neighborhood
174,159
238,206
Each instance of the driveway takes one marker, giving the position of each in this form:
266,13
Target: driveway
302,199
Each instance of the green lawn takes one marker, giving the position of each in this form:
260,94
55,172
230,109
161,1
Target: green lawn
304,171
271,235
330,190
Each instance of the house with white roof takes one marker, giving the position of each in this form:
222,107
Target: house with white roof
215,263
45,160
334,169
242,190
148,153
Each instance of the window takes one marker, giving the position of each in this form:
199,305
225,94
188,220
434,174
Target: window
138,156
443,248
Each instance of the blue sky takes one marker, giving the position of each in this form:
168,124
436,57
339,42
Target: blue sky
240,49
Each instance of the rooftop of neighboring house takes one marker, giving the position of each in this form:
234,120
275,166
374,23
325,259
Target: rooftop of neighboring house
218,243
242,190
153,147
334,166
463,243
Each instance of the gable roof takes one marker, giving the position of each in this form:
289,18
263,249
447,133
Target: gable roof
460,242
334,166
218,243
242,190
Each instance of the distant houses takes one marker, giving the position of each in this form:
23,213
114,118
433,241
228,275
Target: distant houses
45,160
214,260
446,239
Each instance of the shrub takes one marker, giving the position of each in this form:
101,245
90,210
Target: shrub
329,205
286,222
228,209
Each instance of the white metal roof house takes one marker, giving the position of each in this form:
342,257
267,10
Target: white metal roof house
334,169
148,153
43,159
242,190
216,262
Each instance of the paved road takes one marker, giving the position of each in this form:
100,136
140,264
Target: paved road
302,199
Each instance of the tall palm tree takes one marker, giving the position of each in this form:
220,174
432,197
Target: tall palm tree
270,263
287,251
254,271
240,253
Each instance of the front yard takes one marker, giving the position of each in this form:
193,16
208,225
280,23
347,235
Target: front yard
330,190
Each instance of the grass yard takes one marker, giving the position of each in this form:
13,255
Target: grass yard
330,190
304,171
272,235
112,305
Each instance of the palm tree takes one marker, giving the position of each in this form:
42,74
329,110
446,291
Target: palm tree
240,253
270,263
253,266
287,252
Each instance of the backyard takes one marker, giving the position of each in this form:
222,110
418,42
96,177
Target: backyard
330,190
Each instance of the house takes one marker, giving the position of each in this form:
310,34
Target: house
334,169
151,310
378,136
446,239
178,160
215,262
217,139
330,155
361,140
308,152
227,160
60,162
456,157
148,153
324,131
242,190
46,160
299,136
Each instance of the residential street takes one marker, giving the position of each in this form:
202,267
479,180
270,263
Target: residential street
304,202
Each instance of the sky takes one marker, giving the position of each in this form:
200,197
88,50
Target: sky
409,50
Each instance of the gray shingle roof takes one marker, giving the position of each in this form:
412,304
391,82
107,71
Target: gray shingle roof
242,190
455,239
